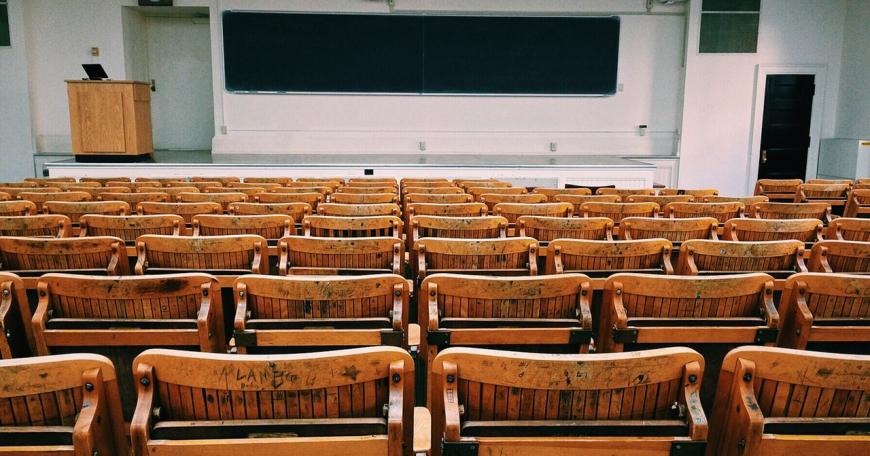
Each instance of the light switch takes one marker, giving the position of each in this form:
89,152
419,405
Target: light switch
95,52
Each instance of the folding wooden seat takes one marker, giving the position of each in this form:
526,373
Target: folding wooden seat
104,180
578,200
376,187
333,182
549,314
624,192
47,181
674,230
432,190
862,181
550,193
250,192
41,198
103,255
720,211
618,211
744,229
268,180
46,225
75,210
837,195
513,211
546,229
17,208
778,401
275,404
5,196
777,189
224,199
504,257
371,180
510,403
465,184
133,186
96,192
307,312
23,184
224,180
198,184
296,210
274,226
61,405
821,211
14,192
848,182
159,180
340,256
491,199
171,191
350,227
185,210
133,199
313,199
429,181
661,200
840,256
365,198
747,201
698,193
826,309
16,337
477,191
603,258
223,255
130,227
845,229
777,258
357,190
439,200
357,210
240,185
484,227
202,186
71,186
859,204
324,188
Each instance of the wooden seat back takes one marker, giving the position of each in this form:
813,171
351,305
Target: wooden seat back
642,309
485,227
748,201
333,182
428,181
133,199
546,229
14,192
368,189
105,180
432,190
282,181
16,337
186,210
858,204
720,211
363,181
477,191
202,185
340,256
358,409
273,226
492,199
358,210
45,181
296,210
510,256
777,401
20,184
834,194
550,313
698,193
365,198
618,211
5,196
102,255
778,258
347,227
777,189
47,225
133,186
825,308
238,186
744,229
465,184
215,254
95,192
661,200
447,210
848,182
513,211
821,211
550,193
75,210
849,229
599,258
41,198
130,227
672,229
17,208
250,192
505,402
313,199
224,180
224,199
423,198
171,191
309,311
322,189
578,200
625,192
64,404
840,256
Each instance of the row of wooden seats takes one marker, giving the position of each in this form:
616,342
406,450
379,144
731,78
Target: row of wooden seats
768,401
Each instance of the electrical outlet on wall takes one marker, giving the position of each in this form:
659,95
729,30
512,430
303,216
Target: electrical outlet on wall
421,145
554,146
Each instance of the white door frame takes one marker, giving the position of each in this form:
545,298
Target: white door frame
761,72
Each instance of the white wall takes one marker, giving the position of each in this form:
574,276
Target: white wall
720,89
16,140
853,115
135,45
650,70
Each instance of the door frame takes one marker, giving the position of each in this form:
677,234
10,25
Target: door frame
761,72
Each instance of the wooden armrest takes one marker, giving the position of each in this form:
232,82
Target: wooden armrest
140,425
205,320
422,430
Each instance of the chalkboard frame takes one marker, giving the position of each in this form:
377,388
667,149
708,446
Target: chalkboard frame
611,93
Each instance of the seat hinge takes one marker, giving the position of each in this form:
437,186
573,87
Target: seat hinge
439,338
245,338
391,337
766,335
691,448
580,336
625,336
459,448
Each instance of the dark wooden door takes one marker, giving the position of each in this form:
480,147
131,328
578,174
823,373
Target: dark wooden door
785,129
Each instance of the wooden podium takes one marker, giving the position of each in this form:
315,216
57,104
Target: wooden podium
110,118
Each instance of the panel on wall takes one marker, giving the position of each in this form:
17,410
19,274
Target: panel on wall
729,26
4,24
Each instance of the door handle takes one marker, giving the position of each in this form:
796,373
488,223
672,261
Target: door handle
764,156
153,85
